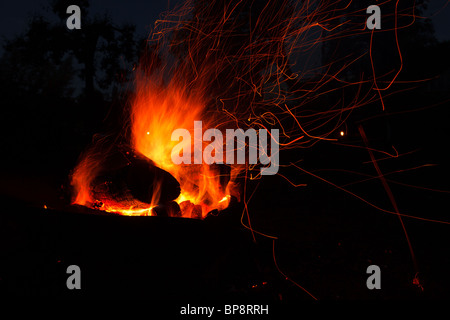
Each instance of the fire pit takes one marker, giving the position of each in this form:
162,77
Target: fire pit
125,257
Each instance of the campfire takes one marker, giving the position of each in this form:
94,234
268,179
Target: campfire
199,67
141,179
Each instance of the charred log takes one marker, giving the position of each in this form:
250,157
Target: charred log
128,177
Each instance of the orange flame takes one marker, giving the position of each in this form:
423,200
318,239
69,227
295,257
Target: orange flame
155,113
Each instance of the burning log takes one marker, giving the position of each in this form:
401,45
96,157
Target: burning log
148,182
129,178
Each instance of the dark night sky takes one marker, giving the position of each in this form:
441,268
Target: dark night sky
440,12
14,14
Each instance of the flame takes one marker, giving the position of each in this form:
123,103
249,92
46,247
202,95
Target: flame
158,109
156,112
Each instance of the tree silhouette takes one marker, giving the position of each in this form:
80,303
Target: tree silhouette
59,85
47,50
